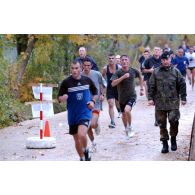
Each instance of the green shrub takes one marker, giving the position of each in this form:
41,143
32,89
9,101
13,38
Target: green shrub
11,110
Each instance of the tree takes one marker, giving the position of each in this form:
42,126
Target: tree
23,60
21,43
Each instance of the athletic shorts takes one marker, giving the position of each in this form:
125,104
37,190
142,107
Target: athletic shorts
183,73
111,93
73,129
130,102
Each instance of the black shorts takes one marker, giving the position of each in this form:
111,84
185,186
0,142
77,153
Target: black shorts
191,68
183,74
130,102
73,129
111,93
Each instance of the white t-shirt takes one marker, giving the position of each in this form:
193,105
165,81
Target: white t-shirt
191,58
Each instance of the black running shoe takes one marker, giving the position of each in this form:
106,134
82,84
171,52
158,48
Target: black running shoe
87,155
112,125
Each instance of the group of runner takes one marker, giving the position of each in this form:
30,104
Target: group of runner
183,59
85,89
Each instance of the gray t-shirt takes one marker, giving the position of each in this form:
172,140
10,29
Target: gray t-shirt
97,78
126,88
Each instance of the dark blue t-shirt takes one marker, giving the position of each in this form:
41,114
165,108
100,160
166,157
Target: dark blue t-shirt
79,93
181,63
149,63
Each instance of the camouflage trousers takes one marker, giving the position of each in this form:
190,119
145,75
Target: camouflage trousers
173,118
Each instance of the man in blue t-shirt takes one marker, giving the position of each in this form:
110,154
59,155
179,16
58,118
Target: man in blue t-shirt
77,91
181,62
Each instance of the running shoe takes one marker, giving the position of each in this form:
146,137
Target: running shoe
129,132
93,148
87,155
112,125
190,81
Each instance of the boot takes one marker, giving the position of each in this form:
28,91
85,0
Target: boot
165,148
156,124
173,144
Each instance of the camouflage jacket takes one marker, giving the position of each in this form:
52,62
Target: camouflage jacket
166,87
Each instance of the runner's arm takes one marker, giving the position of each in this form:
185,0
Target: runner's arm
116,80
63,98
174,63
104,72
63,91
146,68
94,91
141,83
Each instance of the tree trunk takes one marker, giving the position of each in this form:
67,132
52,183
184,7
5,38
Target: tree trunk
22,42
23,63
147,40
114,44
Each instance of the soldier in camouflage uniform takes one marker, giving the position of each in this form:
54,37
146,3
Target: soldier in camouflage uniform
167,87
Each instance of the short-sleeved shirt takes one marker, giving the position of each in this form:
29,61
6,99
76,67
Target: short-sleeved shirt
79,93
149,63
97,79
181,62
109,75
126,88
191,59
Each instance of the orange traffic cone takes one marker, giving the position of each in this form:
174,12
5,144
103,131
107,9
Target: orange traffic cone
47,129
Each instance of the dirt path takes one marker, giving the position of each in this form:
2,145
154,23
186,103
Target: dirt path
112,143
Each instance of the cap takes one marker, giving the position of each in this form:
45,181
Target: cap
117,56
165,55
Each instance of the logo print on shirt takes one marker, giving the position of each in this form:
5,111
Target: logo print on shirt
79,96
86,123
79,83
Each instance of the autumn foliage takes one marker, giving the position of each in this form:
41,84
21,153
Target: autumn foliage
46,58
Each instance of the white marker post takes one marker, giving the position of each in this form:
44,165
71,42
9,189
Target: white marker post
41,112
41,142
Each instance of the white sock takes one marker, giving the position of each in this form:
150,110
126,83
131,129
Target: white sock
128,125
